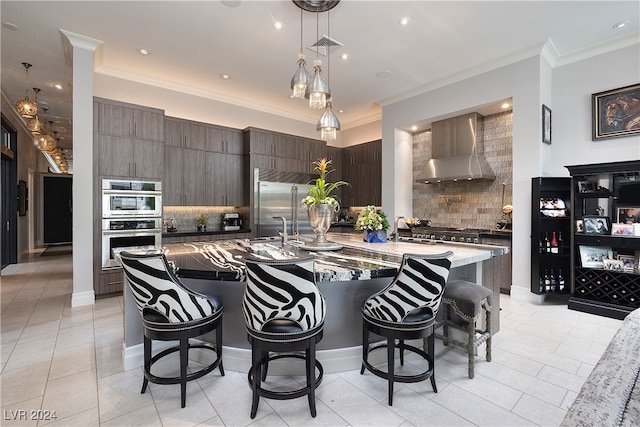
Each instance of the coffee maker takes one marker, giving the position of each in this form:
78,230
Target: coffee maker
231,221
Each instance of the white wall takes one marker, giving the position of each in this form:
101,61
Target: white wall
522,82
177,104
573,86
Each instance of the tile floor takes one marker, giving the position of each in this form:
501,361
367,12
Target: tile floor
68,360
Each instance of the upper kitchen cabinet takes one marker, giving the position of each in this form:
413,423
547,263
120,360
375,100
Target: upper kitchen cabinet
128,120
185,133
274,150
129,139
222,139
362,169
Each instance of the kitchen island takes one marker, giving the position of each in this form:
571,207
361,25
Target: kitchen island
346,277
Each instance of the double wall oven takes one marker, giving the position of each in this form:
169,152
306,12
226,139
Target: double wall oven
131,216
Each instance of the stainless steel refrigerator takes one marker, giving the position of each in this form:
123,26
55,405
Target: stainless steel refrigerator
275,199
280,199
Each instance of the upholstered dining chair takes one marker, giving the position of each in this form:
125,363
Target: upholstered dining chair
284,313
406,310
171,312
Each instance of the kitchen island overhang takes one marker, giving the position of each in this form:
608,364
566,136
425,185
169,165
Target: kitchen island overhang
346,278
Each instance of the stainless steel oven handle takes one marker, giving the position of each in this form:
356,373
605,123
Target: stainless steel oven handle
135,232
131,193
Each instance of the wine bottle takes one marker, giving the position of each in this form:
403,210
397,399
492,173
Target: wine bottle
547,243
554,243
553,281
541,284
560,281
542,248
560,243
547,281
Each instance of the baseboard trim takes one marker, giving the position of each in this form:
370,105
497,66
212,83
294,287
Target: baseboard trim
79,299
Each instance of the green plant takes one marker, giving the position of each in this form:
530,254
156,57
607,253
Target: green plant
412,222
372,219
320,193
202,219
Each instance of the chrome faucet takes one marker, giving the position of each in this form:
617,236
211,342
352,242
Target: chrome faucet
284,229
396,231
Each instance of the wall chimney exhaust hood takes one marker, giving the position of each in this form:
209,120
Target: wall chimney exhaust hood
455,152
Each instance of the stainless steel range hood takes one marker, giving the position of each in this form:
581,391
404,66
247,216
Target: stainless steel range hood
455,152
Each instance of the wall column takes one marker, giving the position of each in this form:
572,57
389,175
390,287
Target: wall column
82,49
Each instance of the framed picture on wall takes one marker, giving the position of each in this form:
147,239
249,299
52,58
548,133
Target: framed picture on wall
616,113
23,195
546,124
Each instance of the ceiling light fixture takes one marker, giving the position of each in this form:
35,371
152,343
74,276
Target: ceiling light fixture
143,52
318,91
25,107
328,125
301,78
58,86
48,144
34,125
620,25
506,105
404,21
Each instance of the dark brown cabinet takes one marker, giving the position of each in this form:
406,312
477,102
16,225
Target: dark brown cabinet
203,164
600,286
362,169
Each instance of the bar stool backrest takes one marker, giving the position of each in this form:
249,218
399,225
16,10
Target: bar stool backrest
418,284
156,288
282,290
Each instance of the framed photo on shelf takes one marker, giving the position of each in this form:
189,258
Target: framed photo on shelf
628,262
628,215
592,256
546,124
616,112
587,186
618,229
612,264
596,225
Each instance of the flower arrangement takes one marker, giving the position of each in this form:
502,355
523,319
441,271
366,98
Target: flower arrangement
202,219
412,222
372,219
320,193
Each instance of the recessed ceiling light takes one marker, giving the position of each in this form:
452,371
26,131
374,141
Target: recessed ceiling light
404,21
278,25
58,86
341,111
414,128
10,26
383,73
225,76
620,25
345,56
143,52
506,105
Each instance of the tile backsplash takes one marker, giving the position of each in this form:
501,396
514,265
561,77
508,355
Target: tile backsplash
471,204
186,217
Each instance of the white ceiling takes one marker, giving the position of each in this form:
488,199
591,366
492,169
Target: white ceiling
192,43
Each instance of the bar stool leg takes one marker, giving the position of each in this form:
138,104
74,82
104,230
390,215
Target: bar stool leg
488,314
147,363
256,362
471,349
365,348
311,369
184,361
390,366
431,352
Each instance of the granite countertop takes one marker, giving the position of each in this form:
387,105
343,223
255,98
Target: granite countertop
357,260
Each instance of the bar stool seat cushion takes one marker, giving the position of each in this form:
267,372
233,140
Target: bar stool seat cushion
466,298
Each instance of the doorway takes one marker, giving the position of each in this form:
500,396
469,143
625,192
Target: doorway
9,234
57,209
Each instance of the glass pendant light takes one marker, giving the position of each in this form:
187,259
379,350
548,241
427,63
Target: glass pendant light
318,91
301,78
328,125
25,107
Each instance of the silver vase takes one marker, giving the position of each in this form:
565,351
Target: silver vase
320,220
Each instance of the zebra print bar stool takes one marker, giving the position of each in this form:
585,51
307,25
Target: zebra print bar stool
171,312
284,312
406,310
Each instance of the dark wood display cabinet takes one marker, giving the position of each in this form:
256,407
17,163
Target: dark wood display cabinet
550,235
606,238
